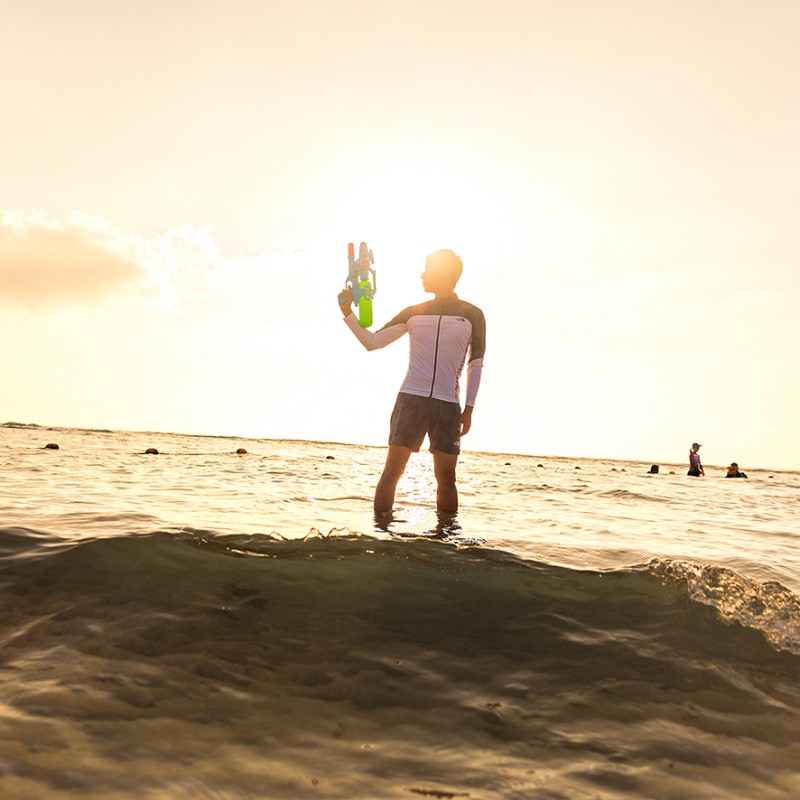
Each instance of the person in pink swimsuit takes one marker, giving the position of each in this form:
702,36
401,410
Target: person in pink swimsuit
695,467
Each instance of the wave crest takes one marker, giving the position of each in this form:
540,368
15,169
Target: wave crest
766,606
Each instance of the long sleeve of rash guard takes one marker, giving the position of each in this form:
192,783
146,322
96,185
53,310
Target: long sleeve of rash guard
378,339
474,372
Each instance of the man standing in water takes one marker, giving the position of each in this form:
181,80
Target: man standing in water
441,331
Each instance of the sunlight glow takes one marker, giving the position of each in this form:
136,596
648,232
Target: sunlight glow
415,198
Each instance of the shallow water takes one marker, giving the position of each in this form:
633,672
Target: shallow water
173,627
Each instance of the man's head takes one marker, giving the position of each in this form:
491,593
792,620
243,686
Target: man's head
696,446
442,271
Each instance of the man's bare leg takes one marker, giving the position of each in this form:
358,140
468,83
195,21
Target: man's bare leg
396,460
444,468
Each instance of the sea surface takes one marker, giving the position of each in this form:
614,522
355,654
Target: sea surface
206,624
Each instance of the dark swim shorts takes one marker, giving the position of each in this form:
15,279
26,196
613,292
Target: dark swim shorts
413,417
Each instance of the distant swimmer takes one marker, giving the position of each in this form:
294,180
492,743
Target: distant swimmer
442,332
695,467
734,471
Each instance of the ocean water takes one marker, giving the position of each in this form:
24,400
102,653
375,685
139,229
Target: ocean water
202,624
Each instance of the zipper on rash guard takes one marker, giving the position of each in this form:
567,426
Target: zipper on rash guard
435,354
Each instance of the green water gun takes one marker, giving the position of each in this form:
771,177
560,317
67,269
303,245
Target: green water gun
358,281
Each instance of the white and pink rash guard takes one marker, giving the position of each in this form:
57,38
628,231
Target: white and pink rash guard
441,331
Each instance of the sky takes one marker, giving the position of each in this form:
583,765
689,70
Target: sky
179,181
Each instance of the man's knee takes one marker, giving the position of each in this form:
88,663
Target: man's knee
447,476
396,461
445,473
392,473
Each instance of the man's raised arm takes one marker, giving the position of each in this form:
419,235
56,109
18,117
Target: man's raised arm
371,341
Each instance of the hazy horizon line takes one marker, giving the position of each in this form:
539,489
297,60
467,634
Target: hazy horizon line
679,464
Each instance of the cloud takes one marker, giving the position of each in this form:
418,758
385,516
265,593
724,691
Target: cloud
45,261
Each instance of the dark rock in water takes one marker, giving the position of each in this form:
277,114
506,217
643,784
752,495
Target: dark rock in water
540,465
241,451
507,464
613,469
577,467
330,458
654,469
151,451
51,446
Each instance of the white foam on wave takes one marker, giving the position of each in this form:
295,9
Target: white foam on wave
766,606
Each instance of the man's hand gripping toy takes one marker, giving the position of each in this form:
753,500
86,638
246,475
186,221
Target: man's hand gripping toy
358,281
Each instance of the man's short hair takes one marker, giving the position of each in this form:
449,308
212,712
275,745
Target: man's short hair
448,261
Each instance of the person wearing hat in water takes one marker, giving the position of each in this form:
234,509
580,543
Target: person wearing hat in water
734,471
695,467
